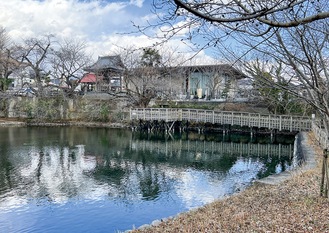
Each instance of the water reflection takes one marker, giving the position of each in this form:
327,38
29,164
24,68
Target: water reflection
61,166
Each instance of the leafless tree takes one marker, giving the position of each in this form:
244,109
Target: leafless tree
150,78
290,33
140,80
272,89
254,17
35,54
67,64
301,55
213,85
8,61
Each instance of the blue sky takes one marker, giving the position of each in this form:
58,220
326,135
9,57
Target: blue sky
102,24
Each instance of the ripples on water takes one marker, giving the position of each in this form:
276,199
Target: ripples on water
104,180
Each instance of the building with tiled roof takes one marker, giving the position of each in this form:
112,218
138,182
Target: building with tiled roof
106,74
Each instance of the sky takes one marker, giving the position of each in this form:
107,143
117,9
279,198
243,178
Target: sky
104,25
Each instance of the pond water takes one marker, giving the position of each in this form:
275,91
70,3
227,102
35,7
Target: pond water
109,180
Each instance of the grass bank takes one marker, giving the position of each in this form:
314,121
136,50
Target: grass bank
291,206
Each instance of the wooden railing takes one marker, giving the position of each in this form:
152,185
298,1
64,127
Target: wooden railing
279,122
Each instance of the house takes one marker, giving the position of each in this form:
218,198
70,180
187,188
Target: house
106,75
23,78
88,82
207,81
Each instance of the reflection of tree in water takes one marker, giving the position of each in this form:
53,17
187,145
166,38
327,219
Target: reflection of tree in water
148,182
56,173
39,166
5,171
110,172
274,165
67,160
217,163
127,166
207,155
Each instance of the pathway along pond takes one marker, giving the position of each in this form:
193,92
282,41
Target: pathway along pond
108,180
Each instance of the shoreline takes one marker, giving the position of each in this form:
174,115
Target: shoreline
299,185
18,123
290,203
13,122
309,162
275,179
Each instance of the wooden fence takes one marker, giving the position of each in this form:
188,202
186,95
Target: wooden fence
279,122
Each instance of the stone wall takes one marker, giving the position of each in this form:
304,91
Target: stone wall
63,109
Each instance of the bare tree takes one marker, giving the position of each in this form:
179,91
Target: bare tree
254,17
141,76
35,54
144,75
213,85
291,33
8,62
303,50
67,64
270,84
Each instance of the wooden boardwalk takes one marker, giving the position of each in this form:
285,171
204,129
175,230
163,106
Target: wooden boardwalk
171,115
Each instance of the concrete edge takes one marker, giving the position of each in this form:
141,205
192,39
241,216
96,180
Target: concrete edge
302,149
12,123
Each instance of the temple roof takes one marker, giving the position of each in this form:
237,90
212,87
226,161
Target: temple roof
89,78
225,69
107,63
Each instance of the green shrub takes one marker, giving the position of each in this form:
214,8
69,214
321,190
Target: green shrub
104,113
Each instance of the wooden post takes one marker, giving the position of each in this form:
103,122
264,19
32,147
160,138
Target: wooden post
327,177
324,177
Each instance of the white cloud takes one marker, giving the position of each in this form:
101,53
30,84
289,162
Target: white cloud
109,44
138,3
63,17
104,25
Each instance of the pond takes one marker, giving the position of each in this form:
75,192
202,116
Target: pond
108,180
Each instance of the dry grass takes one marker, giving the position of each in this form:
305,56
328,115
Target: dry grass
292,206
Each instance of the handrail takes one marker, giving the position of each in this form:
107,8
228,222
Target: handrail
279,122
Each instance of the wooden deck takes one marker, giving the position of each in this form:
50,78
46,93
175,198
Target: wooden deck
278,122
